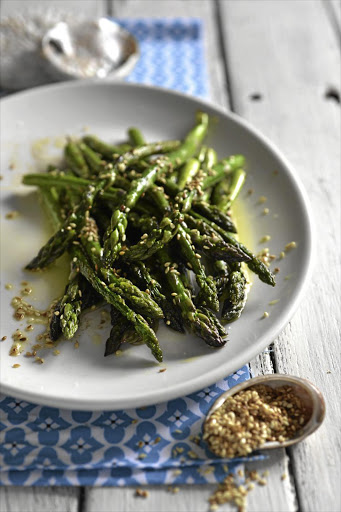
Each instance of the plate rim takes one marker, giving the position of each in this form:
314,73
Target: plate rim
212,376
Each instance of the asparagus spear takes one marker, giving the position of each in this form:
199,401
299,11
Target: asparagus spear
61,240
106,150
140,324
75,159
194,318
221,272
172,314
210,159
116,234
122,331
214,321
93,159
138,153
119,326
227,191
188,171
254,264
151,242
69,320
214,214
215,248
48,180
221,169
234,292
136,137
208,292
139,300
236,297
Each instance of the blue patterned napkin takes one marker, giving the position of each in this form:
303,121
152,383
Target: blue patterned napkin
155,444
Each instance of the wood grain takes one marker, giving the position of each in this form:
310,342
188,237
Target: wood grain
336,10
287,52
39,499
83,7
279,52
203,9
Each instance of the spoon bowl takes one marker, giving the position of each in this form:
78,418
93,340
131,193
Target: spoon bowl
89,49
309,394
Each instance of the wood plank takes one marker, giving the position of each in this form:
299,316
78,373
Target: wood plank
274,497
278,51
85,7
195,497
203,9
336,8
39,499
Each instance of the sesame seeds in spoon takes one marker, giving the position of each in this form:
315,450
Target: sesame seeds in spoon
263,413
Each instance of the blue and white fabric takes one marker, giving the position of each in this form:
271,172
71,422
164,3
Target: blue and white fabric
156,444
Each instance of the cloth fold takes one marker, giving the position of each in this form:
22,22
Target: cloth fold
156,444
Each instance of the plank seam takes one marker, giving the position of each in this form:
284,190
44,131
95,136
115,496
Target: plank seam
109,8
81,500
293,482
331,15
222,46
292,477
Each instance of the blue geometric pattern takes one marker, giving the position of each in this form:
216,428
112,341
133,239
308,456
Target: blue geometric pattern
50,446
155,444
172,54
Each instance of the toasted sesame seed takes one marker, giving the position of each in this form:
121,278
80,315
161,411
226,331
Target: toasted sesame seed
192,454
173,490
16,365
248,419
12,215
4,338
141,493
290,246
265,238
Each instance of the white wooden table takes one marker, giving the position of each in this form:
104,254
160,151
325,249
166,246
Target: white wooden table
277,64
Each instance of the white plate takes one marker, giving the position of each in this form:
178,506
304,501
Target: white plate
82,378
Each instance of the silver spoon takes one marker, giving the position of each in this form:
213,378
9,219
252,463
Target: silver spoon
89,49
309,394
